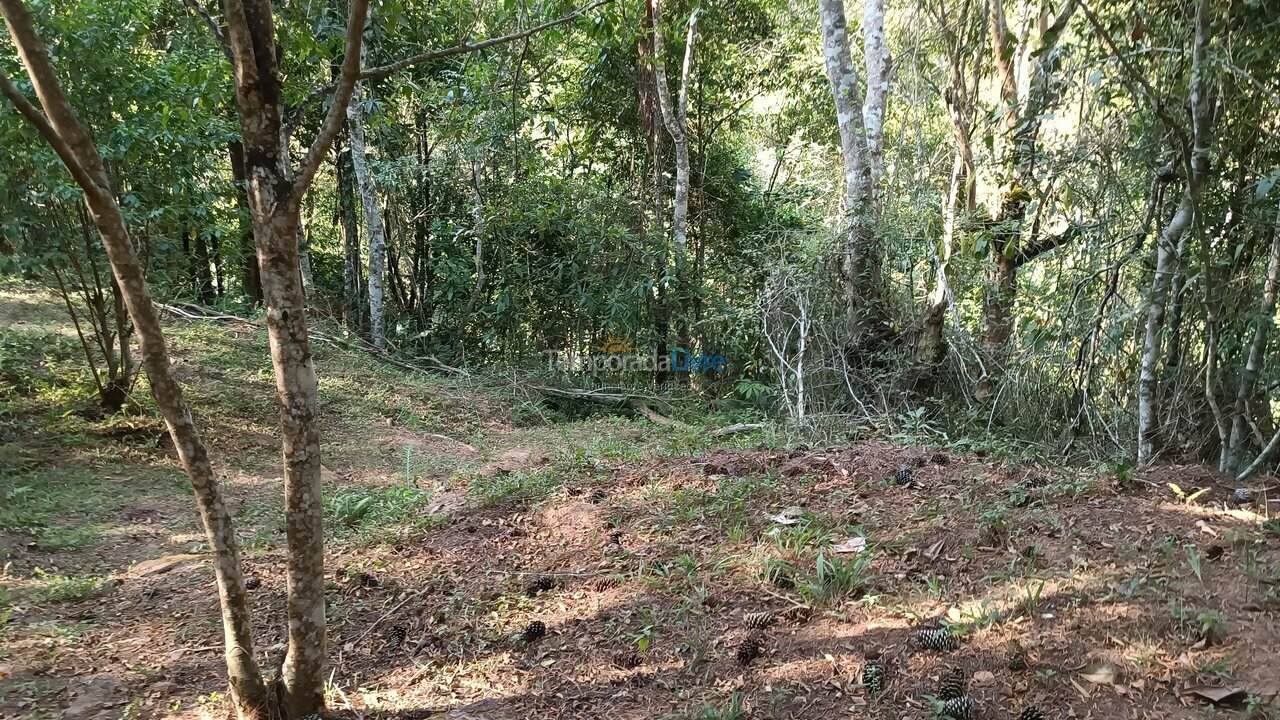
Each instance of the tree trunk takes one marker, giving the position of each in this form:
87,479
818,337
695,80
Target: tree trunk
860,265
70,139
676,119
477,257
1167,248
878,63
352,273
372,221
1247,390
249,279
1166,266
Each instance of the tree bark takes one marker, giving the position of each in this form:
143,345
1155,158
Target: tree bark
878,63
352,272
71,140
860,265
1166,264
676,119
1167,249
372,221
1246,392
249,278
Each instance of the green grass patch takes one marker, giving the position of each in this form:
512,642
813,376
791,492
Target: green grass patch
518,486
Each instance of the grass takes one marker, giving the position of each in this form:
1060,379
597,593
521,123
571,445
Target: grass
64,588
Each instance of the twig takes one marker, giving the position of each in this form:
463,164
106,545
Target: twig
389,613
736,428
383,71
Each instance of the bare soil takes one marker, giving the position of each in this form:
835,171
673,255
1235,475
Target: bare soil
1069,591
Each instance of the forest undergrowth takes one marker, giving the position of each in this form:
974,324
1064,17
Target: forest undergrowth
489,556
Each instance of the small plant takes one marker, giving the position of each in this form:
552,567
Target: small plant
1196,562
1031,597
994,526
1212,625
643,639
733,712
834,578
65,588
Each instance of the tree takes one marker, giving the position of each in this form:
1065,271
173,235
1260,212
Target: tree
372,219
860,253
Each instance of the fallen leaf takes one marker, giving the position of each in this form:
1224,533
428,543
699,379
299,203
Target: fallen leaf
850,545
983,678
790,516
1216,694
1099,674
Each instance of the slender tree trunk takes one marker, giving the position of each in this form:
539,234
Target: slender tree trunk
478,230
676,119
1247,390
372,221
860,265
70,139
249,279
878,64
352,273
1167,247
1166,266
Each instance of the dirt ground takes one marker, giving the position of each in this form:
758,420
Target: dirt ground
1068,592
643,550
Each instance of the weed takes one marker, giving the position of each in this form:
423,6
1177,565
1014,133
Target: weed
994,527
58,588
1196,562
1031,597
733,712
834,578
521,486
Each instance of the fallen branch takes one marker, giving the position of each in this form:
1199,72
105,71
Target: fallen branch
734,429
650,413
389,613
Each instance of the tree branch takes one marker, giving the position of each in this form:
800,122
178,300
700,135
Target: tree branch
383,71
338,110
1045,244
195,7
1136,81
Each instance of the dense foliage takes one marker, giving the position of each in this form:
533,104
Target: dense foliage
526,193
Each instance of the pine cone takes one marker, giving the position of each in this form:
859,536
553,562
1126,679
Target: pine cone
396,636
1015,657
953,684
758,620
905,476
960,708
365,580
602,583
750,649
781,578
1032,482
1031,713
627,660
542,584
1243,496
533,632
253,582
598,496
937,639
940,458
797,614
873,674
